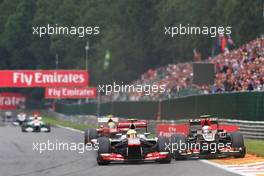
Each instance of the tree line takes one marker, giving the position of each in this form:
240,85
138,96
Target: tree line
131,38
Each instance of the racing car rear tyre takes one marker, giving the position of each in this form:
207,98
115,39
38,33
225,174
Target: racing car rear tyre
162,144
176,140
23,128
103,147
238,142
90,134
49,129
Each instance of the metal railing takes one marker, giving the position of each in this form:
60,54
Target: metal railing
249,129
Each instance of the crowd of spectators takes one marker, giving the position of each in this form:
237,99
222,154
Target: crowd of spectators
237,70
241,69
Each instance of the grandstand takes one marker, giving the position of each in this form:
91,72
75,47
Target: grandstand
238,70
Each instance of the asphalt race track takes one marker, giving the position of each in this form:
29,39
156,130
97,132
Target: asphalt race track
17,158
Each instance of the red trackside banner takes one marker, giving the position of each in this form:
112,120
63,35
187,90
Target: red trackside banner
10,101
169,129
69,92
43,78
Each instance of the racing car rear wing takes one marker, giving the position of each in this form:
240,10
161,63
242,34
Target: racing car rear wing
127,124
106,119
198,122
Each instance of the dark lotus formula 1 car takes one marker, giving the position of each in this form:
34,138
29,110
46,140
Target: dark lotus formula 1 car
206,139
133,147
35,124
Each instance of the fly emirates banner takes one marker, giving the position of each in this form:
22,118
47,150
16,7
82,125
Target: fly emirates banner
43,78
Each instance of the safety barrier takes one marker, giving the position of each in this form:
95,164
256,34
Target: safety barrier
242,106
249,129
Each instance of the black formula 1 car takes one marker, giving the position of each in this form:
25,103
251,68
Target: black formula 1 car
133,147
207,140
35,124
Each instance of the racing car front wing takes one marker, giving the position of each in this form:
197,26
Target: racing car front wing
221,153
154,156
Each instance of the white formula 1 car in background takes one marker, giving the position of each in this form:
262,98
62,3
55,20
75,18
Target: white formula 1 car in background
35,124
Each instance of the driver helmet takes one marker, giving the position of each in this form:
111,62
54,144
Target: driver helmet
111,125
37,117
131,134
206,129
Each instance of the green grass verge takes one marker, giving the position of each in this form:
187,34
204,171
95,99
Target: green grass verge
55,121
255,147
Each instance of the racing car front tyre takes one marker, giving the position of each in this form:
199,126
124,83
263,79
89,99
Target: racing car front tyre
176,140
90,134
238,142
103,147
162,146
